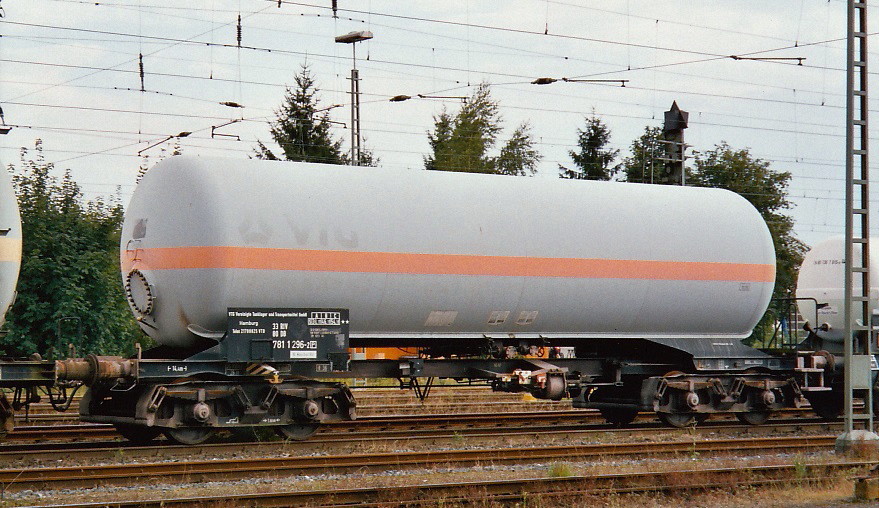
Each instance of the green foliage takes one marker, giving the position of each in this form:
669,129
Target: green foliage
70,268
462,142
801,468
593,160
560,470
518,156
753,179
641,166
302,130
645,164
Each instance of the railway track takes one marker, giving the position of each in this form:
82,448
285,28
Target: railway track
382,423
331,441
46,417
49,478
565,490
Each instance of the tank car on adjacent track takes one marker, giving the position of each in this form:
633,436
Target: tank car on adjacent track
820,299
21,376
255,277
10,244
820,290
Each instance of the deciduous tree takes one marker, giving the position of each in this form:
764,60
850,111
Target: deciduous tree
642,165
463,141
70,268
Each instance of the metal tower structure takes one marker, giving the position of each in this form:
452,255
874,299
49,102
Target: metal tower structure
858,310
353,38
675,151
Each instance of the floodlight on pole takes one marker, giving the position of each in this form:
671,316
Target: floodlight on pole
353,38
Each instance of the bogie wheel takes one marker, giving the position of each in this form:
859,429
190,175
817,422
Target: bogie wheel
619,417
753,417
137,434
677,420
189,435
297,431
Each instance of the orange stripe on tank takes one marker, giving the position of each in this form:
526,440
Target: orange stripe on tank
253,258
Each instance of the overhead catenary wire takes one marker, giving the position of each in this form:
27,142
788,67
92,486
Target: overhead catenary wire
278,84
518,102
113,67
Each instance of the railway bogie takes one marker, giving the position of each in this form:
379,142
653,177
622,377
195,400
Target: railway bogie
190,411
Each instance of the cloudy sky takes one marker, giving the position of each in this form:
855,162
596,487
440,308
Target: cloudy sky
70,76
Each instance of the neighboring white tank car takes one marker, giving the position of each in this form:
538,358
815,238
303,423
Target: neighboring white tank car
822,278
421,255
10,243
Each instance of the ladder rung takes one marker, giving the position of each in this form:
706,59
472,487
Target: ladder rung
859,240
859,298
860,34
859,63
859,122
859,152
859,269
862,93
860,211
861,416
858,181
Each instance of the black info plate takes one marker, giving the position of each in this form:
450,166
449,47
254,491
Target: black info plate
285,335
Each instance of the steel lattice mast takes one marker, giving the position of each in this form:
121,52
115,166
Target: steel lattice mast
857,307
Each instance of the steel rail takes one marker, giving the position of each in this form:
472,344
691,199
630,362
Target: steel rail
377,423
331,442
17,479
564,489
45,414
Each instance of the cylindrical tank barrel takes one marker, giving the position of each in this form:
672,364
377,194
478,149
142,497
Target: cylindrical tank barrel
10,243
434,255
821,283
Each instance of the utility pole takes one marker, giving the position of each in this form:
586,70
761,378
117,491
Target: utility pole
675,148
857,309
353,38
